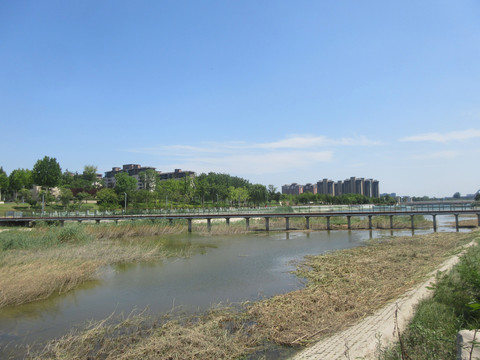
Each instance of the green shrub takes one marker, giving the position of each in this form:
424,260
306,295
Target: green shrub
71,233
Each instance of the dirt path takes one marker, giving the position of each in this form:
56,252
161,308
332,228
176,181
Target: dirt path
361,340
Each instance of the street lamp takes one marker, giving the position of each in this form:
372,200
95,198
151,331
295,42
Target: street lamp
125,202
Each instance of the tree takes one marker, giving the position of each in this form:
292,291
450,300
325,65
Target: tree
477,196
258,194
144,199
170,189
20,179
125,184
89,176
201,187
3,181
107,199
65,196
81,197
26,196
149,179
47,172
456,195
239,195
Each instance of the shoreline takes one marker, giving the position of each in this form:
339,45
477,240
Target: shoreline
276,319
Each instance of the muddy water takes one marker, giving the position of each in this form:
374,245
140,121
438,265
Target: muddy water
233,268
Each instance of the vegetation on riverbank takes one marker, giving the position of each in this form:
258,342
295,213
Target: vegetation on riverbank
342,287
51,259
48,260
455,306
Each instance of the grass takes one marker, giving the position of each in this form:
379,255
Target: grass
454,306
51,260
341,288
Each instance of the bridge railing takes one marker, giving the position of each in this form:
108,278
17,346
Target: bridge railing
250,210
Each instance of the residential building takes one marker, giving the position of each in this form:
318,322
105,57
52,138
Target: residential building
292,189
311,188
352,185
177,174
137,171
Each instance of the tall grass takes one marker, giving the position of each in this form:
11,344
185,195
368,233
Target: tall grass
15,239
36,264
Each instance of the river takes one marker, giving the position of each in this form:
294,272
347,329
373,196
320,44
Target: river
233,268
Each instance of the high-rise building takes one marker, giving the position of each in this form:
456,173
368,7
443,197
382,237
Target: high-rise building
311,188
292,189
352,185
375,189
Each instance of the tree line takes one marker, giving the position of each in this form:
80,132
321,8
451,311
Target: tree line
210,189
205,190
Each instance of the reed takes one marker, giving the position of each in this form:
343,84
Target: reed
341,288
34,265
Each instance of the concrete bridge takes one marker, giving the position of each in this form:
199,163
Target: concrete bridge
30,221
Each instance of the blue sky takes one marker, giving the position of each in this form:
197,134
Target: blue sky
272,91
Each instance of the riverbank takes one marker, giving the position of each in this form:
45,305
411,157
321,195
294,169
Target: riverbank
54,260
342,287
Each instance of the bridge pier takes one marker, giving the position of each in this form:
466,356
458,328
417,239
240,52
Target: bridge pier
209,224
307,222
349,222
247,222
434,223
412,222
227,221
391,221
97,221
456,222
267,224
189,225
287,223
62,223
369,222
478,217
328,222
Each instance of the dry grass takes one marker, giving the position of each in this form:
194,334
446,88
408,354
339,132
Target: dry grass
343,287
128,229
347,285
468,223
213,336
29,275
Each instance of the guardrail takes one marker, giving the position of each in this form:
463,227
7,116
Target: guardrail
250,211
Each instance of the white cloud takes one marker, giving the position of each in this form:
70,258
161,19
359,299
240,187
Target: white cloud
296,152
292,142
445,155
266,163
446,137
308,141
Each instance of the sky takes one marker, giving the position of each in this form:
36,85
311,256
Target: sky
272,91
